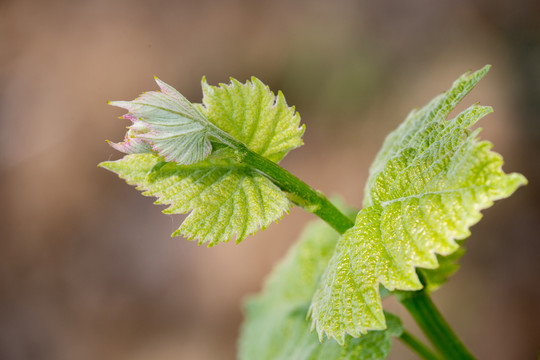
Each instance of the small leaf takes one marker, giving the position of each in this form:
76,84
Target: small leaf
228,199
253,115
426,189
174,127
276,326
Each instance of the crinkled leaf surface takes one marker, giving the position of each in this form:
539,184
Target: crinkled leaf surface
426,188
276,326
252,114
226,198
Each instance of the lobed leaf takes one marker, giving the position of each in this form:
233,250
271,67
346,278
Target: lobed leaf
227,199
276,326
426,189
253,115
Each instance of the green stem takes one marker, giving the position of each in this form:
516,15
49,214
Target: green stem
425,353
430,320
298,191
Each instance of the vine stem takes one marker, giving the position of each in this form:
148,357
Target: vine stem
416,345
430,320
298,191
418,303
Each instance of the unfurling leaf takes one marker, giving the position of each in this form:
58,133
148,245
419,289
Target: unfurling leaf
426,189
170,124
276,326
170,156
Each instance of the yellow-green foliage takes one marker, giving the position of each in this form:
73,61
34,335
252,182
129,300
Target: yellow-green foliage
426,188
227,198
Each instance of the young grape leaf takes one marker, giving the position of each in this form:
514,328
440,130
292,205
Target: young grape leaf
226,197
426,189
276,326
170,137
171,125
252,114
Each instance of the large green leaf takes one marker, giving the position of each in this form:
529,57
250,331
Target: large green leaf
170,136
426,189
276,326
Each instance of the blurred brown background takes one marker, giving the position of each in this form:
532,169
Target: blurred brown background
87,267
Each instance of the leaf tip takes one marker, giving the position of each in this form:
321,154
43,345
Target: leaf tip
257,82
107,165
235,82
160,83
516,180
121,104
206,88
480,73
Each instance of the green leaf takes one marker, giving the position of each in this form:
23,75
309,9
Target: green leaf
253,115
276,326
426,189
227,198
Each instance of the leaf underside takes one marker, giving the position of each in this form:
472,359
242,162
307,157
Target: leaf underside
174,127
227,199
426,188
276,326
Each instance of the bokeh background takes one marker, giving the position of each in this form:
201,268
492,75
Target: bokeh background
88,269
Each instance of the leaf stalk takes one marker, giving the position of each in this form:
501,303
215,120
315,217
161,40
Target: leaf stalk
430,320
297,191
417,346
